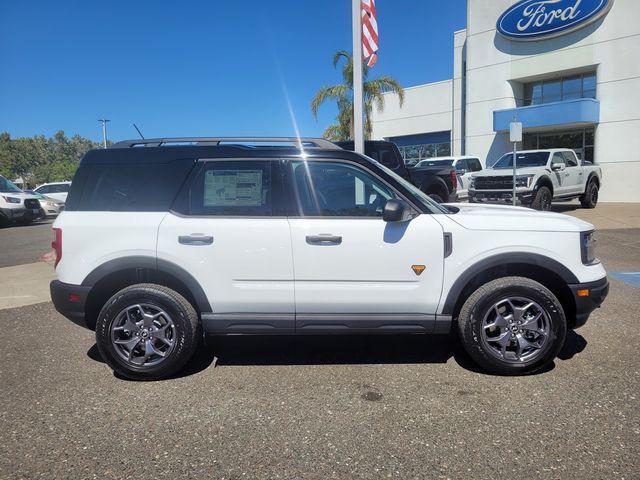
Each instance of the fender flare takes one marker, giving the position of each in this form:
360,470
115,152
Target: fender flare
433,181
546,181
476,269
151,263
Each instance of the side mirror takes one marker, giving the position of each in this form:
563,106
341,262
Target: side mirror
461,171
395,211
557,167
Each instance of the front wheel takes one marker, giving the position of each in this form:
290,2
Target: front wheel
512,326
147,332
542,199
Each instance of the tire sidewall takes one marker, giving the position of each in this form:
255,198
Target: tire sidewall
183,329
473,325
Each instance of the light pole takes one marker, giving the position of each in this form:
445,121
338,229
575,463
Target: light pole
104,131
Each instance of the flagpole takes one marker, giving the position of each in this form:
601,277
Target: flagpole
358,130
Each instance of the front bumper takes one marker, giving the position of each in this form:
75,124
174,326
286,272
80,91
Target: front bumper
21,213
70,300
588,297
524,197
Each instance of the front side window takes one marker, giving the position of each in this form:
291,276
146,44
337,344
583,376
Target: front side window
462,165
232,188
335,189
474,164
558,159
384,155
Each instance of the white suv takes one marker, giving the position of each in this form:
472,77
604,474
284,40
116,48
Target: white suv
56,190
161,244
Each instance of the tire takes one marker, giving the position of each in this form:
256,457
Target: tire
173,332
485,346
436,197
542,200
590,197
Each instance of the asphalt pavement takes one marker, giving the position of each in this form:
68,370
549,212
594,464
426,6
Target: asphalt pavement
326,407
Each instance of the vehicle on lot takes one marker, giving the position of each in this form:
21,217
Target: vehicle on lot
159,244
465,167
50,206
542,176
55,190
17,206
439,181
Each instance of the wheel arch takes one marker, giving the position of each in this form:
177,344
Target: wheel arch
544,181
435,185
592,176
546,271
117,274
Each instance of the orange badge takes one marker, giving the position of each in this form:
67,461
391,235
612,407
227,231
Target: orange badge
418,269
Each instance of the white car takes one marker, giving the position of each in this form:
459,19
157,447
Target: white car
56,190
542,176
160,245
50,206
17,206
465,167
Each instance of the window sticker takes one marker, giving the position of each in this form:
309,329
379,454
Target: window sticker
228,188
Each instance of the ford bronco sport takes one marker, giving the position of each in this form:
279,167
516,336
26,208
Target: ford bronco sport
162,242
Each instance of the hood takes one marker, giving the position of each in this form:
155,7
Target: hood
504,217
508,172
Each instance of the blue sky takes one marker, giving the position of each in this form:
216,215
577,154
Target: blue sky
199,67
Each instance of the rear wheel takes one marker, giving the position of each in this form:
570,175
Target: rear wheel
436,197
512,326
147,332
542,200
590,197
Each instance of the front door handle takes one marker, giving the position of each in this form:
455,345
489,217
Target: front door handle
195,239
324,239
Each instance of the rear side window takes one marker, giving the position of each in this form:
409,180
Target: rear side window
384,155
474,164
232,188
139,187
571,159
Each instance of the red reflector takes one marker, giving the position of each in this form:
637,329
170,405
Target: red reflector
74,297
57,244
454,179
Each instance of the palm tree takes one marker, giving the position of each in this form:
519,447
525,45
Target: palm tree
343,95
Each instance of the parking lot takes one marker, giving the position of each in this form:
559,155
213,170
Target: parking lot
318,407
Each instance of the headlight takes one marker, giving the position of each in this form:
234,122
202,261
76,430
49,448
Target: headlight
588,248
12,199
524,180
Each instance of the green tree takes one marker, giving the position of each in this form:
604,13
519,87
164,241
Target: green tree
39,159
342,94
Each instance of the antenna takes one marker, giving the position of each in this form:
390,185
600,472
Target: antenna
138,130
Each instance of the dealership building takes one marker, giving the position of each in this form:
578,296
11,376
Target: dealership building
569,70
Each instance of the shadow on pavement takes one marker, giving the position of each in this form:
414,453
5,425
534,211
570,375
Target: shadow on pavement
339,350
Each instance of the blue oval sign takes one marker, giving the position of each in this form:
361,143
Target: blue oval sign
538,19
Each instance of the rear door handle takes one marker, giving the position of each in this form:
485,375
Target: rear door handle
195,239
324,239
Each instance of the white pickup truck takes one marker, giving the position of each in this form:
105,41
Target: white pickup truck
542,176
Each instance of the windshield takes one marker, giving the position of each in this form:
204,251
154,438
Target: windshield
8,187
435,163
431,205
531,159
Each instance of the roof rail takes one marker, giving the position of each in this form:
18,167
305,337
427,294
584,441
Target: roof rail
216,141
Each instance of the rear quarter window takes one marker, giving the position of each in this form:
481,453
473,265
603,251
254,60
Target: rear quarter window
147,187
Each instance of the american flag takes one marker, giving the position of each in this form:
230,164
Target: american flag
369,32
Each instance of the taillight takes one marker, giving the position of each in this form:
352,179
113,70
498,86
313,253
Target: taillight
454,179
57,244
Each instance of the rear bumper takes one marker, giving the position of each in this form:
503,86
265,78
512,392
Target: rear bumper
586,304
74,310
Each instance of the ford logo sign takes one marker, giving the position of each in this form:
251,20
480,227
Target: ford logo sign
540,19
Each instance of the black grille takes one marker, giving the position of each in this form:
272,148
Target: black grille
493,183
31,203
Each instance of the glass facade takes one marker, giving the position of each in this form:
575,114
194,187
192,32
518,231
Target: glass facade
412,154
560,89
581,141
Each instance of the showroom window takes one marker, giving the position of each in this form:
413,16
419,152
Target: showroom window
414,153
581,141
560,89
